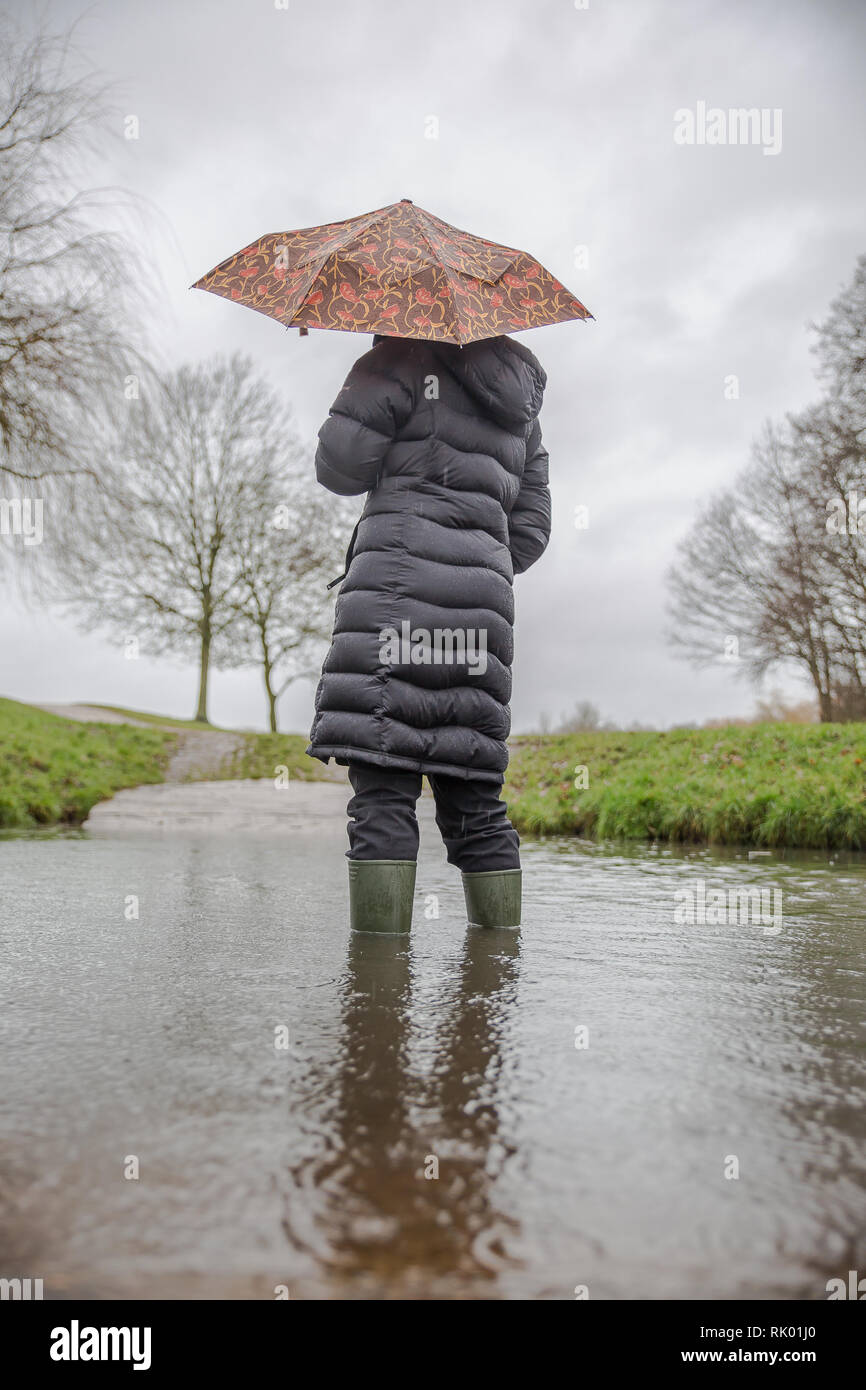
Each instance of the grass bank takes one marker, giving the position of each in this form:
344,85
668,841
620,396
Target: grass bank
262,754
53,770
164,720
799,785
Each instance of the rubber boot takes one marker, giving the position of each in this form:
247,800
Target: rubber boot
493,899
380,894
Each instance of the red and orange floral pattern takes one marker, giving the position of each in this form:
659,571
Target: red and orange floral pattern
398,271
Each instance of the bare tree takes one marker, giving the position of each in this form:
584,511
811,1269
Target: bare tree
840,344
777,564
746,590
287,548
155,559
775,708
64,280
830,450
586,718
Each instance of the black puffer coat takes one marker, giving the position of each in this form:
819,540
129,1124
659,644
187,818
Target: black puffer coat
446,442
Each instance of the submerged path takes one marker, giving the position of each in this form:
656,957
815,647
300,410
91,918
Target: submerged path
186,802
236,808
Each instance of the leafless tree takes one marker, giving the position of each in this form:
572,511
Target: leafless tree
288,546
155,559
586,718
831,467
840,343
776,565
65,344
776,708
746,590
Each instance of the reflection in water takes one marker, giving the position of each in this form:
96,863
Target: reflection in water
406,1184
313,1166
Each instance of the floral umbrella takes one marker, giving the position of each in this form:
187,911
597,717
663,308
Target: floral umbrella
398,271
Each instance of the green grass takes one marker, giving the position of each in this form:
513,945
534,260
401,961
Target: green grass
766,784
53,770
145,717
262,754
797,785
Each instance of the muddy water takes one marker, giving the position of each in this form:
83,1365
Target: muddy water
611,1099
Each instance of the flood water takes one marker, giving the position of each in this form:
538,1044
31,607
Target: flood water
612,1099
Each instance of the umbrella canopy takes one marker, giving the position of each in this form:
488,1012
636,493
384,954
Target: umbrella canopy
398,271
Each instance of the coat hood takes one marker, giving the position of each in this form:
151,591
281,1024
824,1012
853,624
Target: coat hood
502,375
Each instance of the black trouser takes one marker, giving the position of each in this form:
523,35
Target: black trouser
472,820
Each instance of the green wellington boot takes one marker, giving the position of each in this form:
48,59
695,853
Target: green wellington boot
380,894
493,899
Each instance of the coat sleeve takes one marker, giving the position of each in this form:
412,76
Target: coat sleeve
529,521
372,406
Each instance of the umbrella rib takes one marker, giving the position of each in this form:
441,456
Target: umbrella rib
446,273
369,220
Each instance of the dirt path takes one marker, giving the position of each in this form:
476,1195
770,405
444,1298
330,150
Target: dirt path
200,753
92,714
259,808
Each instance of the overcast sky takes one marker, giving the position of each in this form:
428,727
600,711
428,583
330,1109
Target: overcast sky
555,132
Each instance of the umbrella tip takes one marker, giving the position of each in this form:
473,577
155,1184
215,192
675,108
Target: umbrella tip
405,200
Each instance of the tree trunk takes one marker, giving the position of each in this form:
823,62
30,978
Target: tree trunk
826,696
267,669
817,665
201,712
